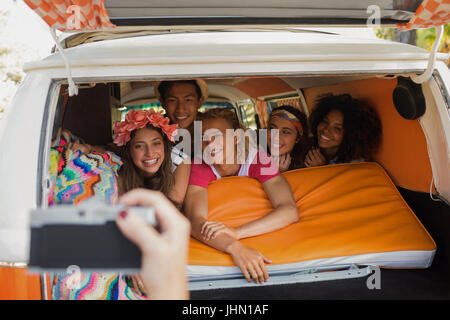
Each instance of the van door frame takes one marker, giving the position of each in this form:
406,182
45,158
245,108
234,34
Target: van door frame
43,182
435,124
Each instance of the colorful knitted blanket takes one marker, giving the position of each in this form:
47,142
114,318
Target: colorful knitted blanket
75,177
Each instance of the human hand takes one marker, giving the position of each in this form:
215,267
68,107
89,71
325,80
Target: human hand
164,255
138,284
211,229
84,148
284,161
250,261
315,158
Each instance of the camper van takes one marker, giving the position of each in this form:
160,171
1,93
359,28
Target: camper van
366,230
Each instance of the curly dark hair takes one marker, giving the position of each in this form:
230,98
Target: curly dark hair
362,126
301,148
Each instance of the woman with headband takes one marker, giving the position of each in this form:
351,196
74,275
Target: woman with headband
293,142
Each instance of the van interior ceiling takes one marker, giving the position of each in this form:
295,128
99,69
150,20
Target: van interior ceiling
403,152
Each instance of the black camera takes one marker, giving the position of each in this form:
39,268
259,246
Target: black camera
85,236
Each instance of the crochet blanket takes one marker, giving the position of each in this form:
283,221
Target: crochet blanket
74,178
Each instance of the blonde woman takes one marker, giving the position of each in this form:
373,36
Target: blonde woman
224,162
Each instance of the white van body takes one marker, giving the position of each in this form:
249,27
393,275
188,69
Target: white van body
27,124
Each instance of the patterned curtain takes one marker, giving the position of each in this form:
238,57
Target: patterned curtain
290,102
72,14
261,109
431,13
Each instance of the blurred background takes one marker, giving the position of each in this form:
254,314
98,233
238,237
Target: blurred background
423,38
25,37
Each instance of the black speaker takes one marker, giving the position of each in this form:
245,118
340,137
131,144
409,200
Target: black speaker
408,99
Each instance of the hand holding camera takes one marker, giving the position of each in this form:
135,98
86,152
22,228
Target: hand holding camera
164,254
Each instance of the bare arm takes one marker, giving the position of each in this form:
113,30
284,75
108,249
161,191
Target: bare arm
196,209
181,177
250,261
85,147
285,210
285,213
164,255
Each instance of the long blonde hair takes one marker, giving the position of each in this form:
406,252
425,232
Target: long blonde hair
221,113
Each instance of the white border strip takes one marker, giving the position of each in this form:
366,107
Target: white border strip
393,259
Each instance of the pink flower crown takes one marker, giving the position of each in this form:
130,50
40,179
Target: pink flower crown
137,119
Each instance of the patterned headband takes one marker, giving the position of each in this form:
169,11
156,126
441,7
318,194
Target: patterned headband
289,116
137,119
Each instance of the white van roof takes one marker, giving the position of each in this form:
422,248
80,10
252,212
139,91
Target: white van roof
228,47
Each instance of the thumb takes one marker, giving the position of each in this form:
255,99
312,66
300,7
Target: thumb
266,260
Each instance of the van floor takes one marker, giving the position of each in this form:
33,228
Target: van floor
432,283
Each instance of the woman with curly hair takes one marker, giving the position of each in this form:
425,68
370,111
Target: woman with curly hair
344,129
293,142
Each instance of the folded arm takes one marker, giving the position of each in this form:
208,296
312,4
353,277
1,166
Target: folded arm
196,209
285,210
250,261
285,213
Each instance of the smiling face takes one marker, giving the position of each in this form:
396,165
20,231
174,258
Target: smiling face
181,103
147,151
220,146
330,131
288,136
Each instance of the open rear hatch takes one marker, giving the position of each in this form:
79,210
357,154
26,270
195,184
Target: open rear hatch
257,12
118,18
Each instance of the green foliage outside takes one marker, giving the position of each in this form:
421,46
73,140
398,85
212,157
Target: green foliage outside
10,73
423,38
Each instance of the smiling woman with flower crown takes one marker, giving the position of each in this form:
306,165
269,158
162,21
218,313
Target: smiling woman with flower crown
149,161
145,138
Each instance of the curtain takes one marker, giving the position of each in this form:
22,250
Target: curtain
431,13
67,15
290,102
261,109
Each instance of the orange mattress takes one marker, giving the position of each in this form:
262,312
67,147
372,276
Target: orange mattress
349,214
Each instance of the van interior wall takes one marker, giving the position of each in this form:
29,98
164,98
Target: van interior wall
403,151
88,115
